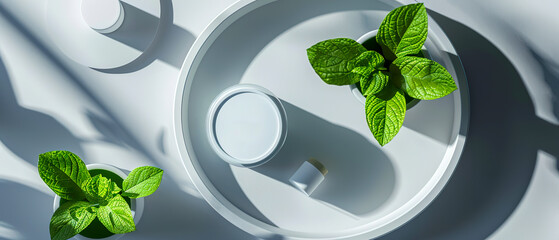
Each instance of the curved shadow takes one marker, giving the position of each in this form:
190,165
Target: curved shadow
501,149
138,29
432,118
550,75
220,175
253,31
360,177
28,133
170,43
26,210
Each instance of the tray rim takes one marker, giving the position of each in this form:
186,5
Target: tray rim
242,219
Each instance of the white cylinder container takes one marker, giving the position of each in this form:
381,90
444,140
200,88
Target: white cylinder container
103,16
246,125
309,175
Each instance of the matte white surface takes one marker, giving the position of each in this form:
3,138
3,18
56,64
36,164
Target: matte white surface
509,190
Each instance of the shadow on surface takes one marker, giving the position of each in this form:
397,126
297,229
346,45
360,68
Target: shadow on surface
180,216
170,42
221,176
550,70
138,29
111,132
360,177
28,133
432,118
500,152
42,130
26,210
253,31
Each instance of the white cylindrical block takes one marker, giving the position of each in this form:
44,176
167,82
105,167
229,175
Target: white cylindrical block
309,175
104,16
246,125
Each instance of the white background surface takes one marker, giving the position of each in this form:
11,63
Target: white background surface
505,187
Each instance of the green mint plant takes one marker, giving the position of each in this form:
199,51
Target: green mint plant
92,197
385,78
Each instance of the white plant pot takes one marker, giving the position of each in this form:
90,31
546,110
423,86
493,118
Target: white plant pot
136,205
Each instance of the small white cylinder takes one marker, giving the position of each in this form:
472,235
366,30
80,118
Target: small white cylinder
309,175
103,16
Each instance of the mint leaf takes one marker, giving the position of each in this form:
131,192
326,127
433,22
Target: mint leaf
367,73
70,219
403,31
370,59
142,182
116,216
376,82
114,188
385,113
334,59
423,78
100,189
64,173
361,74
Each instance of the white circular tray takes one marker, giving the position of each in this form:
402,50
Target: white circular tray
369,190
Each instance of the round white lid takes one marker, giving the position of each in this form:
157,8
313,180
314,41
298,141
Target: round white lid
101,14
246,125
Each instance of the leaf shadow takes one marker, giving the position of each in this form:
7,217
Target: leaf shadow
26,210
28,133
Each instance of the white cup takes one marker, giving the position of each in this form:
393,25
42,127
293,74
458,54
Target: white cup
103,16
246,125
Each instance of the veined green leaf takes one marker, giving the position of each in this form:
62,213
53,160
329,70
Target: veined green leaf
70,219
334,59
64,173
368,73
100,189
116,216
142,182
114,188
385,113
403,31
370,59
423,78
377,81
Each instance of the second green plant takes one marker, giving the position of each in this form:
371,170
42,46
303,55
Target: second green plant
87,198
385,77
